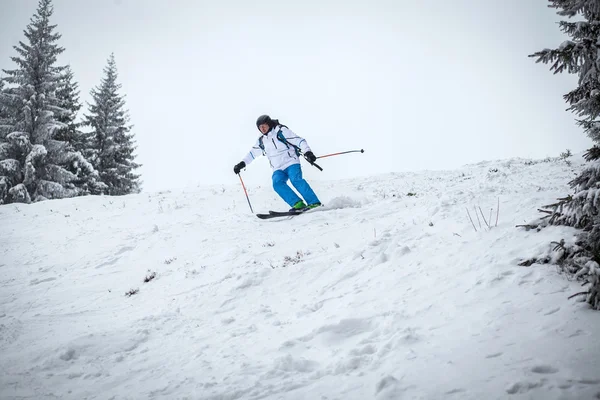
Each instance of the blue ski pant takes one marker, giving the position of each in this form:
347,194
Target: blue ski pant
294,174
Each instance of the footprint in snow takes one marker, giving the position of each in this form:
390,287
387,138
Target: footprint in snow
249,283
551,311
388,388
402,251
366,350
523,387
456,391
494,355
38,281
69,354
344,329
381,258
288,364
345,366
544,369
10,329
410,335
124,250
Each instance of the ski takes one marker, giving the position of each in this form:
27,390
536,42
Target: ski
275,214
284,213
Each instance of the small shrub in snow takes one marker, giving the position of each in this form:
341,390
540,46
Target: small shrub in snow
149,277
564,156
132,292
18,194
170,260
287,260
489,222
292,260
192,272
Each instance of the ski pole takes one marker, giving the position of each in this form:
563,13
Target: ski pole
312,163
343,152
247,198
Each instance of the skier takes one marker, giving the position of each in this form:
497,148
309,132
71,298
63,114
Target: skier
282,147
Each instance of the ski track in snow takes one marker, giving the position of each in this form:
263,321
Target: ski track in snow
378,295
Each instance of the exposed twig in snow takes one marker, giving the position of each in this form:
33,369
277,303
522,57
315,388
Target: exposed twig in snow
469,214
527,227
497,211
527,263
478,220
483,216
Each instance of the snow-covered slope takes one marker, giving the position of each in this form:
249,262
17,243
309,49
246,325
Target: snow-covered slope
378,295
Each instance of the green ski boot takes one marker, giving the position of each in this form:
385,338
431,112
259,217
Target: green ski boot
314,205
298,206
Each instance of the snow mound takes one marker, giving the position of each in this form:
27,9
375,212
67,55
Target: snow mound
342,202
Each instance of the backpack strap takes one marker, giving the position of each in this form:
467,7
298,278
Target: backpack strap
282,139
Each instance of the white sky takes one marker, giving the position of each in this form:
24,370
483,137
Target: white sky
417,84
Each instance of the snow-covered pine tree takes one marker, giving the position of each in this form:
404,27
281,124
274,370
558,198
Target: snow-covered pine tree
33,162
581,55
67,94
113,144
5,147
3,109
87,179
4,113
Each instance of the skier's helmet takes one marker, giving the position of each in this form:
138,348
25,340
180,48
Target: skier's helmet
264,119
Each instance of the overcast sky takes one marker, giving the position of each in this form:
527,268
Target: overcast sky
429,84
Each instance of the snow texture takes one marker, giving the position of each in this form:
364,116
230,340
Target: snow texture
387,292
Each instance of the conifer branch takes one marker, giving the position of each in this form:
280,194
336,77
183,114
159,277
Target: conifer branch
578,294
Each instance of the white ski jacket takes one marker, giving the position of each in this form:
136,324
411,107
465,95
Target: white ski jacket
281,155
